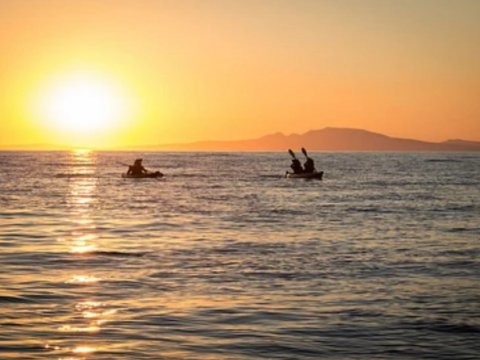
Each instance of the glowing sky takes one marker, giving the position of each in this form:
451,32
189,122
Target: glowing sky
197,70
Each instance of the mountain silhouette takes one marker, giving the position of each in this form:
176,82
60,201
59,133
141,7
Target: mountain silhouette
328,139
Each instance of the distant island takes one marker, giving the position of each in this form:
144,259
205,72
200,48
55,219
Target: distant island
327,139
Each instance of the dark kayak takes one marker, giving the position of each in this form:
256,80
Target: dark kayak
156,174
318,175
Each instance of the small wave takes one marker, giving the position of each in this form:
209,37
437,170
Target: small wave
74,176
364,209
164,274
21,214
249,247
118,253
76,164
271,176
443,160
445,326
278,275
470,252
189,176
463,230
288,212
13,299
466,208
462,207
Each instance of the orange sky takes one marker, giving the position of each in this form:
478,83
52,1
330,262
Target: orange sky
214,69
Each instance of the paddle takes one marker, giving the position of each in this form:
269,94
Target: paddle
292,153
122,163
293,157
309,161
304,152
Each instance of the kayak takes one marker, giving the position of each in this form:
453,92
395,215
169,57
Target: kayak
156,174
318,175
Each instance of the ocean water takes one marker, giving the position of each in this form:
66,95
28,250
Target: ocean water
225,259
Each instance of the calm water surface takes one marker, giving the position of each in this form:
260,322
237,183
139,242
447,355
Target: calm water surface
225,259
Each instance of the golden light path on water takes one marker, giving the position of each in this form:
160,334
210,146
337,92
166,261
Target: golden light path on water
82,241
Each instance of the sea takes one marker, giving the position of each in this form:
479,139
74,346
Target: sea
225,258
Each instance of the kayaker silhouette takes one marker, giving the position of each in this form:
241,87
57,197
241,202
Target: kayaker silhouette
137,168
307,172
295,165
138,171
309,165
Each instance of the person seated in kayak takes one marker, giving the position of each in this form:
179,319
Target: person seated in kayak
309,165
296,166
137,168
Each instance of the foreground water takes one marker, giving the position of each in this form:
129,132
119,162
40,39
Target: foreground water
225,259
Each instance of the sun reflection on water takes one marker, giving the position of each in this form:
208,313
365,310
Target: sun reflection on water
82,239
82,279
81,200
83,244
87,305
81,152
84,350
96,314
79,329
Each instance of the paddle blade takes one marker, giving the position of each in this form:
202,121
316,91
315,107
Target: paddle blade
291,153
304,152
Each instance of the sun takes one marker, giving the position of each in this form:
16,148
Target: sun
82,103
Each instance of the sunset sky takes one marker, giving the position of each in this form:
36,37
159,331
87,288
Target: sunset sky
114,73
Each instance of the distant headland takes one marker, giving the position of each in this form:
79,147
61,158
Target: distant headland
327,139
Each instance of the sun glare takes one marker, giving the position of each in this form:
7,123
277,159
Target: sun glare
82,103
